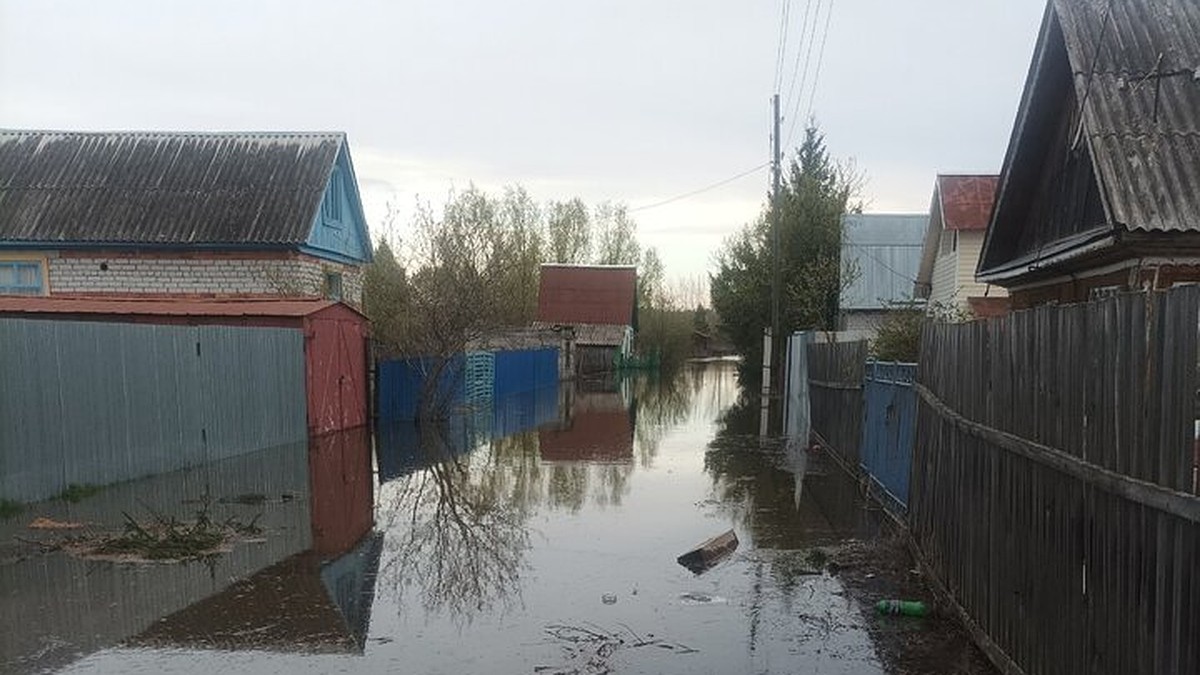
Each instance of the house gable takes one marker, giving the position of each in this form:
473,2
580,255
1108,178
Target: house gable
1102,165
884,252
339,228
1048,191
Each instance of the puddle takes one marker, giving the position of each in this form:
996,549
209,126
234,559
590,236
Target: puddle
531,538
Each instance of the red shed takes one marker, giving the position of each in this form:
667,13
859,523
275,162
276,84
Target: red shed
335,344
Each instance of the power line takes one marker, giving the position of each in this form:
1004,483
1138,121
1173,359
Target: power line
804,75
781,51
812,95
706,188
791,90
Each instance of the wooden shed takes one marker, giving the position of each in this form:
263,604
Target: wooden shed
335,339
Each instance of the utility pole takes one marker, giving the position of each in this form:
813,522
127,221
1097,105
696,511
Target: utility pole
771,336
775,224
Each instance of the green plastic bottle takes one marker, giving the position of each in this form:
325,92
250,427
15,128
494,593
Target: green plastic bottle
902,607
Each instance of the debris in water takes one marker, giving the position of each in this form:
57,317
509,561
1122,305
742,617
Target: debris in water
41,523
705,556
609,598
590,649
690,598
901,607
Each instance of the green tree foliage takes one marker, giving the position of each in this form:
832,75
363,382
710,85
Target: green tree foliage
899,336
472,269
816,191
616,235
568,232
385,295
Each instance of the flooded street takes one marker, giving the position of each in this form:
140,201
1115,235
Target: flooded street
548,550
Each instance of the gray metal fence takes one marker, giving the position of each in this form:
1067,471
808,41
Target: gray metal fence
88,402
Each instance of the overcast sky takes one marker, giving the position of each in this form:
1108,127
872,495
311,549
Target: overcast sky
630,100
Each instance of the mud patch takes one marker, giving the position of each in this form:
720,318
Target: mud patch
883,569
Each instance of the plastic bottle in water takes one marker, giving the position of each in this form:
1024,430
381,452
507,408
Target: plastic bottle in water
904,607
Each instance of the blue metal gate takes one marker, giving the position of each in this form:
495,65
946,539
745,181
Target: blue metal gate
889,427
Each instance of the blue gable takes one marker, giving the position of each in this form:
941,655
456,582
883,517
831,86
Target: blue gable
339,231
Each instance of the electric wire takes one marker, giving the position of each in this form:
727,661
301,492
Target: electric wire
795,114
791,90
706,188
781,51
812,94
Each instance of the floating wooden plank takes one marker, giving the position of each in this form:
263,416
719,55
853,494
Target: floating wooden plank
705,556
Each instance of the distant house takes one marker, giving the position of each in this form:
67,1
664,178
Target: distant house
221,215
1100,189
597,302
958,218
881,252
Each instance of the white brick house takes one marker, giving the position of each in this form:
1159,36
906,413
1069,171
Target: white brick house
180,214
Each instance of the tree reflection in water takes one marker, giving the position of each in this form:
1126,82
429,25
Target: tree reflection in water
457,514
455,537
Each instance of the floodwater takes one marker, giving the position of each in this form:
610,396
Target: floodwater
540,539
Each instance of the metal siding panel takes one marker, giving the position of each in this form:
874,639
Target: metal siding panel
886,251
109,402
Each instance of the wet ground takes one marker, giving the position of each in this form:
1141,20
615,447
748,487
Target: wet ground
541,537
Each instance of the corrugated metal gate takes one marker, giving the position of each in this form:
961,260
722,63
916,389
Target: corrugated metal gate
89,402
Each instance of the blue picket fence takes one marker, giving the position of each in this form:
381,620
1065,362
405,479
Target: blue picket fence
889,427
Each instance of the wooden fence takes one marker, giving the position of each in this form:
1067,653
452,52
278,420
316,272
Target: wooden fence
835,377
1051,482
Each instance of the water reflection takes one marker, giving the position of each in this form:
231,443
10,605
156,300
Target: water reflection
314,503
459,528
458,497
497,536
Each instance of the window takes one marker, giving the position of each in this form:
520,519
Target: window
20,277
331,207
333,286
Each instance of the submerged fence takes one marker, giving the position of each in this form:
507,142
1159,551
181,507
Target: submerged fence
474,381
1050,482
90,402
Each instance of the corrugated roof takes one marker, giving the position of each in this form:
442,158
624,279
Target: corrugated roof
885,249
11,304
966,201
587,294
162,188
1136,68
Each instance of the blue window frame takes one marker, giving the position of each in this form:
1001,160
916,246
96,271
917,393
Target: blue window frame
20,277
331,207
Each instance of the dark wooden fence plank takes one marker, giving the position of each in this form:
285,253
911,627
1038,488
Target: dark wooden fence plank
1052,487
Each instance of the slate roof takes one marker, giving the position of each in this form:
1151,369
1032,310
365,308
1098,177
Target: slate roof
154,188
885,249
582,294
1137,71
1135,66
